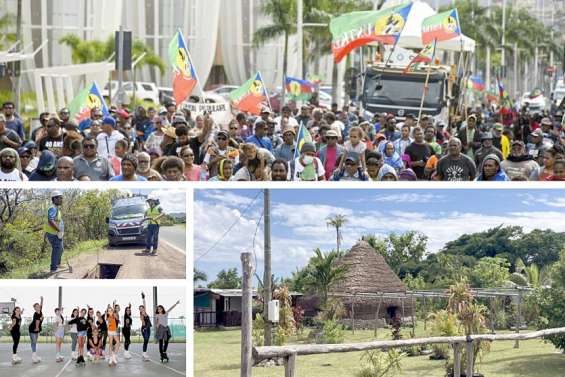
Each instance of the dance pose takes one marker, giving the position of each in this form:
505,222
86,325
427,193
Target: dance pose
126,330
145,326
15,332
35,329
59,333
73,333
163,332
113,336
95,346
82,326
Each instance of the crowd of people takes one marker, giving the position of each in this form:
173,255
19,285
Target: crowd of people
95,336
170,144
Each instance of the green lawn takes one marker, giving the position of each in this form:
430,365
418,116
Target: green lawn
217,355
41,267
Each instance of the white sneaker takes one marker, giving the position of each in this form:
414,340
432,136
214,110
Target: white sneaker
127,355
14,359
145,357
110,361
35,359
74,355
115,359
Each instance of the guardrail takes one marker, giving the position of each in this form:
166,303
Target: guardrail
291,352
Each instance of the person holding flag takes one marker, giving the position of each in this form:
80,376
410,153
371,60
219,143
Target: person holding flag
251,96
88,106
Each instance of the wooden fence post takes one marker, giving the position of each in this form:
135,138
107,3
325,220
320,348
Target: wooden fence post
469,358
519,318
377,315
457,360
246,315
290,365
353,315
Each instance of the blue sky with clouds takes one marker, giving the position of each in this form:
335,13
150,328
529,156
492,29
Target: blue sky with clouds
299,225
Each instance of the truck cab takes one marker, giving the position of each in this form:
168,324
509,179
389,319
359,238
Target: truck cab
125,224
388,89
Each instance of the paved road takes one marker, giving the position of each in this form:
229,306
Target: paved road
132,367
176,235
168,263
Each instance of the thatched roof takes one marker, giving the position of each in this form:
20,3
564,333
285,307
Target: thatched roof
367,272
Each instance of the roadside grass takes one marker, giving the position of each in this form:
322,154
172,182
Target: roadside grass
217,354
40,267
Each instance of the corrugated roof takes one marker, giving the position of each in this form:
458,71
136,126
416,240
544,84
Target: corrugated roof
232,292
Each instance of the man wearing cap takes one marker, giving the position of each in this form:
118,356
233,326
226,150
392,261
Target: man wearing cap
218,151
25,159
8,138
54,228
285,151
307,167
470,136
536,147
351,171
259,137
500,141
486,149
12,121
108,137
90,164
519,164
10,168
304,115
331,153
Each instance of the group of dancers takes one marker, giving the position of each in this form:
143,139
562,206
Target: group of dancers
100,332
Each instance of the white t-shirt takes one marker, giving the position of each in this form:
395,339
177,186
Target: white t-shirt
291,123
359,148
299,168
107,143
13,176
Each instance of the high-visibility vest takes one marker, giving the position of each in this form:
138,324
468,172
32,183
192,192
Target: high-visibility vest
47,228
152,213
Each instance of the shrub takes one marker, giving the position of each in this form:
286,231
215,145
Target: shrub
332,333
380,364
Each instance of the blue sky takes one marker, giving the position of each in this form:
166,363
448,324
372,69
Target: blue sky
299,225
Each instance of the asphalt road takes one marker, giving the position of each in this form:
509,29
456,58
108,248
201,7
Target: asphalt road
175,235
132,367
168,263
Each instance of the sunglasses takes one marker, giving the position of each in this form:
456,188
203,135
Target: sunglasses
25,156
350,163
222,138
233,128
89,146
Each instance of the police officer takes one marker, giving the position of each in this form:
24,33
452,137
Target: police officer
54,229
153,215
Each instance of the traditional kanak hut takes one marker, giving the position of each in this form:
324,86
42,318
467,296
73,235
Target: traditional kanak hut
367,279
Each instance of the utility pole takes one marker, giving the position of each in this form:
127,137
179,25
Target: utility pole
515,81
60,297
155,303
17,80
120,94
267,269
300,36
246,315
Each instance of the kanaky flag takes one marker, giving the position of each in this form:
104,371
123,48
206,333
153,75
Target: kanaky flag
426,55
356,29
86,100
250,96
441,27
476,83
184,75
299,89
303,136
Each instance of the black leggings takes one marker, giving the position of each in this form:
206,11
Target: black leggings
127,341
164,343
16,339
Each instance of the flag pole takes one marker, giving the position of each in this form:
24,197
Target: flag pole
265,88
426,84
192,65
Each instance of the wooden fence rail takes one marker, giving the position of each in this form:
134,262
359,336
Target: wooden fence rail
289,353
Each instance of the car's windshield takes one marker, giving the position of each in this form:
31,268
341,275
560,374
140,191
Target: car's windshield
403,91
128,211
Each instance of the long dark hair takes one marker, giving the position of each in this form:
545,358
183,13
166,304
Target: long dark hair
157,310
14,311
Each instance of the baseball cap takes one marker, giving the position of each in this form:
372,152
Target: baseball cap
308,147
353,156
498,126
486,136
517,142
537,133
110,121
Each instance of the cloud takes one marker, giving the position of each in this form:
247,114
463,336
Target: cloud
171,200
544,199
226,197
408,197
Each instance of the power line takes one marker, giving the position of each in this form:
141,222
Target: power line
229,229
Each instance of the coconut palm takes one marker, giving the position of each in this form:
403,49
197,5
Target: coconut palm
337,222
199,276
283,18
530,275
323,272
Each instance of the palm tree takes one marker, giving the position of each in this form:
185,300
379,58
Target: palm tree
199,276
337,222
530,275
323,272
283,17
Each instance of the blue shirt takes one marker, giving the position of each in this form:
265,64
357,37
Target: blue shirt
121,178
52,215
17,126
264,142
85,124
